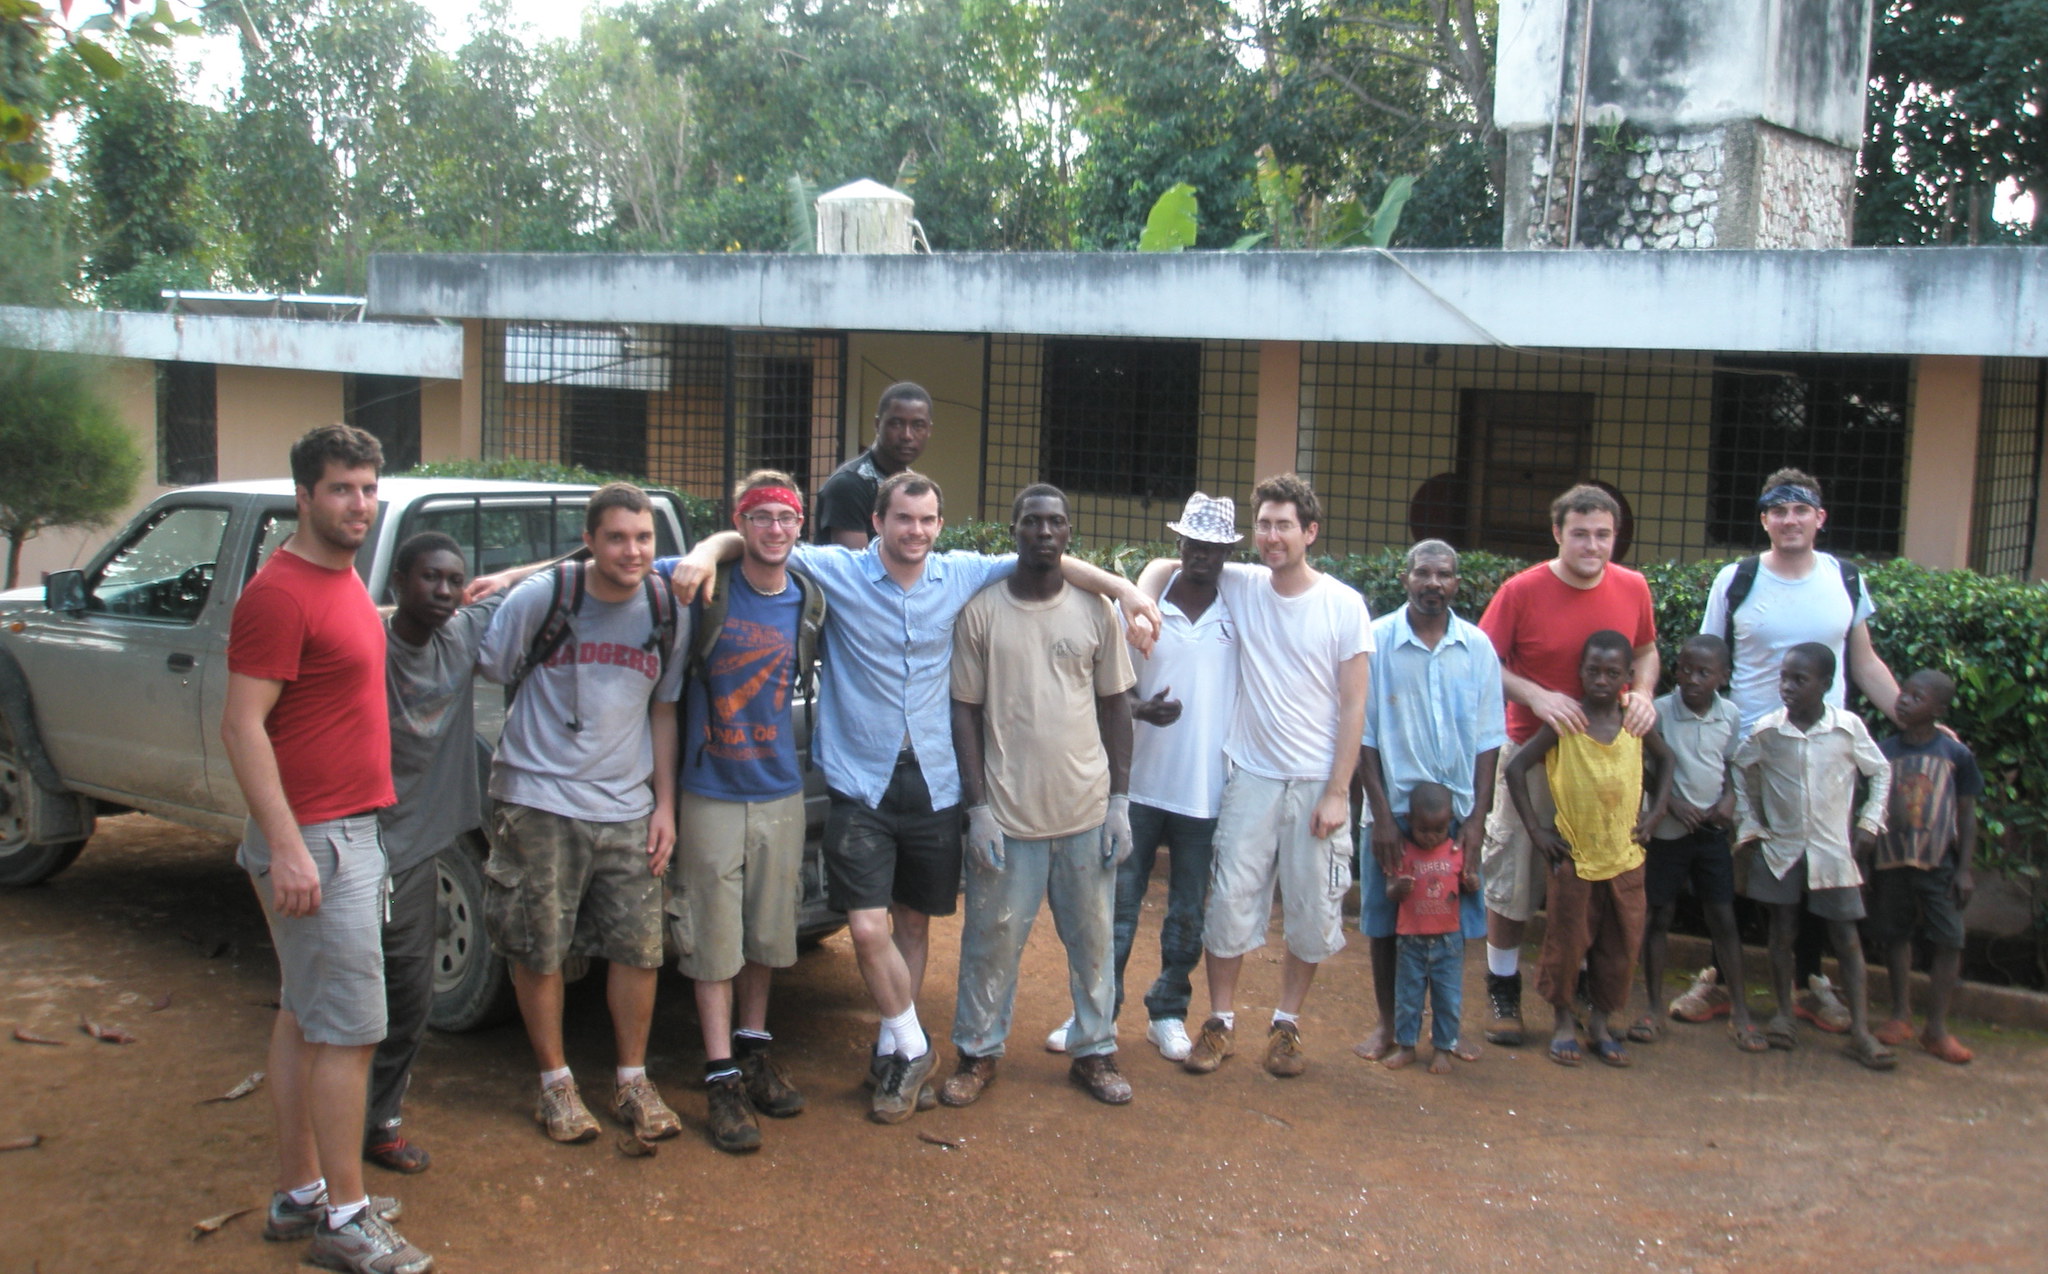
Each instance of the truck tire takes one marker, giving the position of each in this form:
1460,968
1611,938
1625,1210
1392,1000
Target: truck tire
23,862
472,987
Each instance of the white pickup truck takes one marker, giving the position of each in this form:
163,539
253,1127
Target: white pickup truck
112,680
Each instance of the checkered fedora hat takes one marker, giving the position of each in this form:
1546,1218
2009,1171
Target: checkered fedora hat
1209,518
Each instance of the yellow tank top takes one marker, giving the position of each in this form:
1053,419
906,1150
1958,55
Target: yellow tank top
1598,788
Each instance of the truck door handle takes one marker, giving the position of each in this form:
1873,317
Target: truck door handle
181,662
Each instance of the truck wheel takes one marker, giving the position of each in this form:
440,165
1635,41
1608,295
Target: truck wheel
22,862
472,988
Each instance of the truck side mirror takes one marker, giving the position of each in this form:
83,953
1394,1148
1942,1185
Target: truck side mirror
64,592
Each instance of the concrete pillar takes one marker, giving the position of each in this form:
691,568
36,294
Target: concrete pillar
1941,477
1277,444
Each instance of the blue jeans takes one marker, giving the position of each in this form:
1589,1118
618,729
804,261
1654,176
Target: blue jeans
1189,841
1068,871
1432,963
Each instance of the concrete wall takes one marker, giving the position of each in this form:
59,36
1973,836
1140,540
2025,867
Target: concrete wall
1941,475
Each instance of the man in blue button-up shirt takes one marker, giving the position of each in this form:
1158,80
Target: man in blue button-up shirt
885,742
1434,714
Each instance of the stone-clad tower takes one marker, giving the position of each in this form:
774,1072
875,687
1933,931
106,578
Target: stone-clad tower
1681,123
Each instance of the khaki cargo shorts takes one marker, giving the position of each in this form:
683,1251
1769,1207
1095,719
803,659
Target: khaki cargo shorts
556,886
735,884
1514,872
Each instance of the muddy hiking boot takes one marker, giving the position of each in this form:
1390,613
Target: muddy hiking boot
768,1086
1098,1075
288,1222
561,1111
1215,1043
967,1080
878,1070
1284,1058
731,1121
1504,998
905,1081
366,1245
638,1105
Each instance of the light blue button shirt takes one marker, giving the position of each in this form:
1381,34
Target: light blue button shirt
1430,713
886,666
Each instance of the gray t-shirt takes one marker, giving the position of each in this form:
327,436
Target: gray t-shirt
577,739
433,736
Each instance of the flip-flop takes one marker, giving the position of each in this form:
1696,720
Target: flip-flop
1780,1033
1749,1039
1566,1052
1643,1030
1948,1048
1894,1032
1612,1053
1878,1058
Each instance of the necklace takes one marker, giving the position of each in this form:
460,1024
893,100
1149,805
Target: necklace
759,592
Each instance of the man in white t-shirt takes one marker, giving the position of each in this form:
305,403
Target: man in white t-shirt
1285,817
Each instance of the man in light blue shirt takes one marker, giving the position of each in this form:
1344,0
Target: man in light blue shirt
1434,714
885,742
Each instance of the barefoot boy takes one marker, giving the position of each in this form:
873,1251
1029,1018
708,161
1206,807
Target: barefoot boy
1795,790
1430,945
1691,843
1594,848
1923,858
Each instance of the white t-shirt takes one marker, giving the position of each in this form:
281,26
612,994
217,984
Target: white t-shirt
1777,615
1179,768
1289,649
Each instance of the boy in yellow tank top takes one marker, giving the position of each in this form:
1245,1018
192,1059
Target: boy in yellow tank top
1595,849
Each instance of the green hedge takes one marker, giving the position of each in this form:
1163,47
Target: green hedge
700,514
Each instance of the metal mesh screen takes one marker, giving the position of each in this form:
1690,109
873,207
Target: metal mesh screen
2009,441
388,407
1128,428
1470,444
683,407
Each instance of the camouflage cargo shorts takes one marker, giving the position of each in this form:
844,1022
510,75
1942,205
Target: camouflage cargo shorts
557,886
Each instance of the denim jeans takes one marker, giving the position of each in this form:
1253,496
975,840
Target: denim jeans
1435,963
1068,871
1188,842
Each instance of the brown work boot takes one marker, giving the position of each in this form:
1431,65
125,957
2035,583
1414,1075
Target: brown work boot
967,1080
561,1111
1098,1074
1284,1057
639,1106
731,1119
768,1086
1504,995
1216,1042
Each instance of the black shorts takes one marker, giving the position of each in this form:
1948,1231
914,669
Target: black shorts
904,852
1700,857
1903,899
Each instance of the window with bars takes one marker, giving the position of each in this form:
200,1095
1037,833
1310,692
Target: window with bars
389,408
1128,428
2010,435
187,424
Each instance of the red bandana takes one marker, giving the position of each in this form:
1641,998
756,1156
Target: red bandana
771,495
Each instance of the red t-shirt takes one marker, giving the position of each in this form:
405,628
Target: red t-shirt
317,631
1539,625
1432,906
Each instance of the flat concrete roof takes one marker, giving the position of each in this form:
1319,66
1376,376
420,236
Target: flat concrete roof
1985,301
384,349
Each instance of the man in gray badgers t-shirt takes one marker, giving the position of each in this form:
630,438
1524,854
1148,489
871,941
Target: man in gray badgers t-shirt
579,841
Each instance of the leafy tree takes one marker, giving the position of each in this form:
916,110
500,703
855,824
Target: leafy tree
144,161
69,460
1958,104
28,33
625,130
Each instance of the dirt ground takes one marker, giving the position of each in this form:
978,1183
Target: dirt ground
1698,1158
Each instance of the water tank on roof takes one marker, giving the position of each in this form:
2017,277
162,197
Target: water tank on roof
867,216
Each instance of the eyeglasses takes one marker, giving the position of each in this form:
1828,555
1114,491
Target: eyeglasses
762,521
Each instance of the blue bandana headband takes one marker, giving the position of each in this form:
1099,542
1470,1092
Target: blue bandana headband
1788,493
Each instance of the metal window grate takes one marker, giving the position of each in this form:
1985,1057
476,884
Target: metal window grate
187,424
1128,428
2010,436
683,407
1470,444
388,407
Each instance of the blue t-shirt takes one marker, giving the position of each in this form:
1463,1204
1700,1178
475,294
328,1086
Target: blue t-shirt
739,743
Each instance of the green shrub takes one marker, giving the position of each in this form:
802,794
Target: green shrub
700,514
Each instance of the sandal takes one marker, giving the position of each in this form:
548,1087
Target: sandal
1566,1052
1875,1056
1611,1052
1780,1033
1894,1032
1643,1030
1948,1048
398,1155
1749,1039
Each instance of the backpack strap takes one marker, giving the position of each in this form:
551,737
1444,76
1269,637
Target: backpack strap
1738,593
810,631
566,600
1852,584
662,618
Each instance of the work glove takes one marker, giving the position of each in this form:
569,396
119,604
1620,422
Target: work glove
984,837
1116,831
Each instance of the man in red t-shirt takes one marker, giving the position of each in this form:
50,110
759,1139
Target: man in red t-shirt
307,734
1539,622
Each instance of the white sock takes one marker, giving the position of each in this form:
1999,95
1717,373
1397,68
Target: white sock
308,1195
1229,1017
910,1040
885,1039
1281,1015
1503,962
627,1074
548,1079
340,1214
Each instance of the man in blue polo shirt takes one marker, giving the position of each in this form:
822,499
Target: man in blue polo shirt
885,741
1434,714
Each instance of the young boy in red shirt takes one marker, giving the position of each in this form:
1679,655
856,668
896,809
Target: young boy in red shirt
1430,950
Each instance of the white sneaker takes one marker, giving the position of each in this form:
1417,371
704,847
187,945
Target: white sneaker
1171,1038
1056,1039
